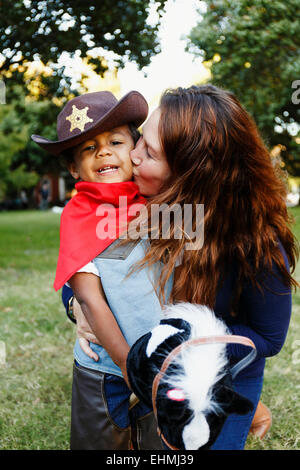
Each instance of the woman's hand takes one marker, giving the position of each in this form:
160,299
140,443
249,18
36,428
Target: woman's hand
84,332
85,346
82,326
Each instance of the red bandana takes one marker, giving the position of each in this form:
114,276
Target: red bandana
91,221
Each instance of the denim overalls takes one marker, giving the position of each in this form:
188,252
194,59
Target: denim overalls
137,310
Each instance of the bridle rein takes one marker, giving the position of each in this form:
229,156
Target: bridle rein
200,341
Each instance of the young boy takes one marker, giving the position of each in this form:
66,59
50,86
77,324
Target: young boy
100,156
102,159
96,134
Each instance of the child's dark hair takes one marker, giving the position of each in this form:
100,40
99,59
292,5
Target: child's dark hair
67,157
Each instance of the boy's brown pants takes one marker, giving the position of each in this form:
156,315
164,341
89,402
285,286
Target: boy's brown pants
92,427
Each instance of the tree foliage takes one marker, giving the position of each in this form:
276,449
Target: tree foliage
254,49
32,29
20,159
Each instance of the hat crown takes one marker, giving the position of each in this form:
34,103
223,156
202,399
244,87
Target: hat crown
82,112
91,114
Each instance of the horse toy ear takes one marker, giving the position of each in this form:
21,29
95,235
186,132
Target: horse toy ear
239,405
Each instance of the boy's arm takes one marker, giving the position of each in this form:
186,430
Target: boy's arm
89,293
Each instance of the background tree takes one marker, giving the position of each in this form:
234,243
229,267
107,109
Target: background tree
20,160
38,29
35,37
254,49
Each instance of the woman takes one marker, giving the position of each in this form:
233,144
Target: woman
201,147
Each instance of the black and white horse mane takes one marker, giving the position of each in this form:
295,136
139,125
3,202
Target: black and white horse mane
195,395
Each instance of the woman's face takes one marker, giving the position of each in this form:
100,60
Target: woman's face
151,169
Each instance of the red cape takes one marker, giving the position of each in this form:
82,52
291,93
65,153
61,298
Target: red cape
90,222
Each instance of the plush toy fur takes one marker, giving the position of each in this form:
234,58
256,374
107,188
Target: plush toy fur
195,395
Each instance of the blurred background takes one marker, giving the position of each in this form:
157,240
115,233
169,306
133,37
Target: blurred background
54,50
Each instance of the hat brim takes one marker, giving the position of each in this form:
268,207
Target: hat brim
132,108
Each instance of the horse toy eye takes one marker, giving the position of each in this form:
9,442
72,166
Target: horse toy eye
176,394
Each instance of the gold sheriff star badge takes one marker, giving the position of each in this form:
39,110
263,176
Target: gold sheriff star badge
78,118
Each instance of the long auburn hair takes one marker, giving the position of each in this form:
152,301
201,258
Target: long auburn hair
217,158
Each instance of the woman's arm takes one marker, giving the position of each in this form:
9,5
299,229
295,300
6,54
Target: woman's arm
268,314
88,292
67,297
84,332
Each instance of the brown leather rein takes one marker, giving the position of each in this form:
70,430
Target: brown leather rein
197,341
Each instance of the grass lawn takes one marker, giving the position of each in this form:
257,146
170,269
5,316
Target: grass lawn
35,383
35,380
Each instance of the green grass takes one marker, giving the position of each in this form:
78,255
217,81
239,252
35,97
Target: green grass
35,382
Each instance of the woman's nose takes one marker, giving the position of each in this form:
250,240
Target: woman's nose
136,160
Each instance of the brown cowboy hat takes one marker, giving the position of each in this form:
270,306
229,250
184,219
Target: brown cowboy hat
90,114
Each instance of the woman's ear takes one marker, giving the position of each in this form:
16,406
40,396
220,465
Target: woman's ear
73,170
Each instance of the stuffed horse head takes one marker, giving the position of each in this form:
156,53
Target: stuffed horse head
193,394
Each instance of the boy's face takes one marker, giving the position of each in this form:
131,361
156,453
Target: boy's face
104,158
